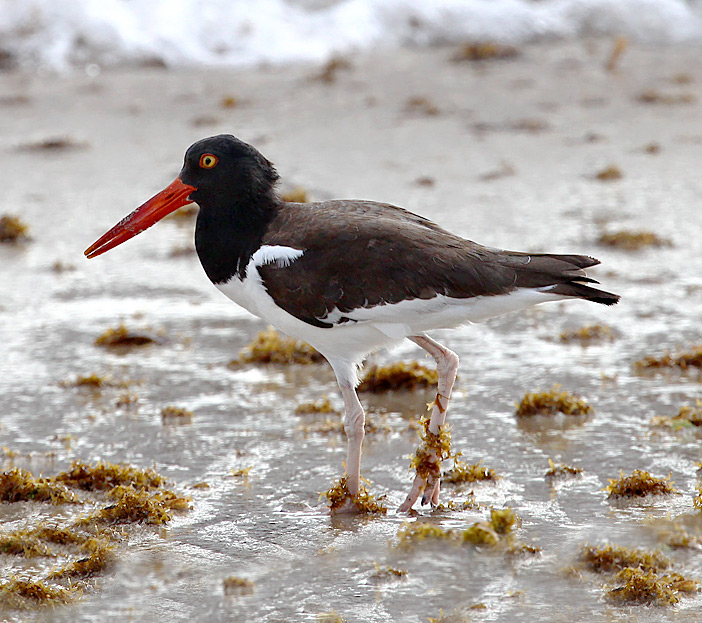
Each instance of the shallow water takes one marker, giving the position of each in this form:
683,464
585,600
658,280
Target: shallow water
271,527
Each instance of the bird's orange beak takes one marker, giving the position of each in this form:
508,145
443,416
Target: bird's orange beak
160,205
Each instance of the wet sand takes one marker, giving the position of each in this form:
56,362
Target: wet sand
504,153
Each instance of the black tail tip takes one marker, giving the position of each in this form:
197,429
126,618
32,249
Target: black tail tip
605,298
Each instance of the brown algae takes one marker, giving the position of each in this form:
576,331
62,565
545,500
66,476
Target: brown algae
463,472
235,586
698,498
421,105
27,593
90,380
319,407
416,531
100,557
399,376
177,415
485,50
628,240
639,484
551,403
19,485
138,505
687,417
588,334
683,361
24,543
331,68
498,531
12,229
562,471
270,347
121,336
340,500
56,143
106,476
387,573
609,173
434,449
652,96
614,558
502,523
132,495
637,586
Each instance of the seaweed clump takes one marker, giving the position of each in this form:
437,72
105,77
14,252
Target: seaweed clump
341,500
640,576
639,484
100,557
628,240
561,471
463,472
652,96
319,407
25,593
687,417
637,586
107,476
12,229
331,68
121,336
434,449
497,531
698,498
614,558
386,573
234,586
138,505
609,173
24,543
270,347
551,403
588,334
132,495
176,414
20,485
397,377
683,361
412,532
90,380
501,524
484,50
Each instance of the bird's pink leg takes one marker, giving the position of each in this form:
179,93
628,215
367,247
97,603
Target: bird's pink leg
446,366
354,426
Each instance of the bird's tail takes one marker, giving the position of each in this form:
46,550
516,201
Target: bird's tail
584,291
563,275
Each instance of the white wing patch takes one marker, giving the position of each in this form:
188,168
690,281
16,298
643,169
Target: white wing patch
275,254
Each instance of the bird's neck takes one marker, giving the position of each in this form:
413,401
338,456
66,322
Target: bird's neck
226,236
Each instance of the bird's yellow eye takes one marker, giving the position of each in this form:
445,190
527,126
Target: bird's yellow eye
207,161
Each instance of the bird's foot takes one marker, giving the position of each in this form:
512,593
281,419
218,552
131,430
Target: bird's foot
427,483
341,500
427,460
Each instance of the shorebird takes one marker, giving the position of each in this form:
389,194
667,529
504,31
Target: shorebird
349,277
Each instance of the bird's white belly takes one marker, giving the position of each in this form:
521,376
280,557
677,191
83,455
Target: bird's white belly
374,327
350,342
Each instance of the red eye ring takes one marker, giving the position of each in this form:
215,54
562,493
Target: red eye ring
208,161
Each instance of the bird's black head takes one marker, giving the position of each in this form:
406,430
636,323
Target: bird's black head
232,182
227,172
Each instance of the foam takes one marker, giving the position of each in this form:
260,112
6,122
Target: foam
60,34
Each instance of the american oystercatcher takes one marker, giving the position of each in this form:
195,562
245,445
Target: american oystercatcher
349,277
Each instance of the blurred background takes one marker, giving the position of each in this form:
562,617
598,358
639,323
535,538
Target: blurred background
567,126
